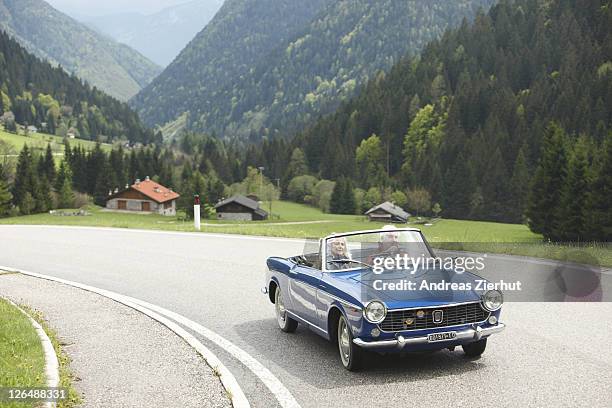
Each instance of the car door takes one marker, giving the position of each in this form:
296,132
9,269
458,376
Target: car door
303,285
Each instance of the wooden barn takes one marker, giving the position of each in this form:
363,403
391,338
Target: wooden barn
387,212
240,208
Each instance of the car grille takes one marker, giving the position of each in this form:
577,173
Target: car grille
452,315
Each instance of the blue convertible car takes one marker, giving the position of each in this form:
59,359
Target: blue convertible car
382,290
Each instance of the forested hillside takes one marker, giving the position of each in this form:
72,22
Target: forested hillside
242,34
504,119
326,63
35,93
44,31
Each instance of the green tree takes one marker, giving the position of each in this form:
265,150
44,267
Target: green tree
519,188
548,182
297,164
370,158
399,198
322,193
66,195
24,180
419,200
27,204
48,165
571,223
600,203
343,197
5,199
371,198
63,173
42,195
300,188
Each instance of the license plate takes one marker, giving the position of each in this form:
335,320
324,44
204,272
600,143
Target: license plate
434,337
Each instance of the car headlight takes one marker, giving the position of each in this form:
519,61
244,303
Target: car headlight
375,311
492,300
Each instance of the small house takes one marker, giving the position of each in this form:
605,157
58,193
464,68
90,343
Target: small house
240,208
387,212
144,196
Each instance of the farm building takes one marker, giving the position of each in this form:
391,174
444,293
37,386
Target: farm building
387,212
240,208
144,196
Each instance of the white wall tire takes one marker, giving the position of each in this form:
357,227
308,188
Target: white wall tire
350,354
286,323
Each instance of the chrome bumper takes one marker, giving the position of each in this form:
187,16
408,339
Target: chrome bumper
475,333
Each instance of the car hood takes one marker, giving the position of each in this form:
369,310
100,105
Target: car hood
364,286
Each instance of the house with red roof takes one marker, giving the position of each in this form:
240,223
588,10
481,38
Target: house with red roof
144,196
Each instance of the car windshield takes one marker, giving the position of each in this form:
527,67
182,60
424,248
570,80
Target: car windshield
360,249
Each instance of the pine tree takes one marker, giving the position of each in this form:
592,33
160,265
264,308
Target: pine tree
102,183
42,195
48,165
519,188
336,205
66,195
571,223
24,178
600,203
27,204
548,182
350,204
5,199
343,197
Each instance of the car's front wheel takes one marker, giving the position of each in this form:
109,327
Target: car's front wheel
350,354
475,349
286,323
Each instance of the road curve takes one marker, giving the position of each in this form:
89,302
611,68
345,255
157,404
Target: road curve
550,353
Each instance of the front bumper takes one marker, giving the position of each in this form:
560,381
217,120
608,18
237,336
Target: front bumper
472,334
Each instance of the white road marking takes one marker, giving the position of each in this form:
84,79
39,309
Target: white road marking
276,387
228,380
51,362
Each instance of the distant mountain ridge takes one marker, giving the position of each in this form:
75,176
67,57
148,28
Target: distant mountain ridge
159,36
52,35
308,74
242,33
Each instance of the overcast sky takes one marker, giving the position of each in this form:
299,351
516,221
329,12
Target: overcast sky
103,7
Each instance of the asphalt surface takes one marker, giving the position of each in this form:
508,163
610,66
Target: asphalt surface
117,354
551,354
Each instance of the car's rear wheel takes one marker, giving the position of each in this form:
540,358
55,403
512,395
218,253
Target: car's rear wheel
350,354
475,349
286,323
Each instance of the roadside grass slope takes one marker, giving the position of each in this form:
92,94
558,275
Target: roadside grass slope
22,359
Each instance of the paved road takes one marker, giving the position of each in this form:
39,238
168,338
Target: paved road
551,353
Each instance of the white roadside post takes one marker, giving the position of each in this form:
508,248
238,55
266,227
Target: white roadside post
196,212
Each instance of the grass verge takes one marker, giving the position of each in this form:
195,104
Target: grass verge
22,360
67,378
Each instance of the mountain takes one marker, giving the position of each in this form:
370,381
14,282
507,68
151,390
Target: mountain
52,35
307,74
33,92
242,33
481,111
159,36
